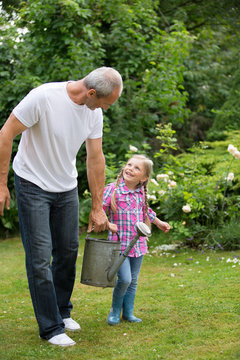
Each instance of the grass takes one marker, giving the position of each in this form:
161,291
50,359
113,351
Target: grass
188,300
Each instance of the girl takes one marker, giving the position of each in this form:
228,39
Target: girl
126,203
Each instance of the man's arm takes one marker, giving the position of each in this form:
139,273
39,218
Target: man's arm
11,128
96,181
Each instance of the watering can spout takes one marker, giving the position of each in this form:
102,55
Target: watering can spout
142,230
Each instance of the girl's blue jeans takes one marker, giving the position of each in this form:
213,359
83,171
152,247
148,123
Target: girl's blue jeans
49,230
128,276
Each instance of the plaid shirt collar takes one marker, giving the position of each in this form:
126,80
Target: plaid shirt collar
125,190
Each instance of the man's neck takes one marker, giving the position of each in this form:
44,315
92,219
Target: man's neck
77,92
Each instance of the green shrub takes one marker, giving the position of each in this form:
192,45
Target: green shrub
226,237
213,135
195,194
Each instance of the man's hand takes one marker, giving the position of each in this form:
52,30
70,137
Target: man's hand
98,222
4,199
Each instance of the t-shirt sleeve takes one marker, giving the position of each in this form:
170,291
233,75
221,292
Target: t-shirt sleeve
97,128
28,110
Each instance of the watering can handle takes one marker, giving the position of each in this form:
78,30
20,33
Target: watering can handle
111,225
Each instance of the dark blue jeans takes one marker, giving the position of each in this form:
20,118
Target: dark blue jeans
49,230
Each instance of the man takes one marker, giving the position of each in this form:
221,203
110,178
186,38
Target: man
55,119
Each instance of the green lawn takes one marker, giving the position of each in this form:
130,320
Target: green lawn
189,302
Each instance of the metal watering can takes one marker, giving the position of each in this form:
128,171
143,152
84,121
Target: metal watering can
101,260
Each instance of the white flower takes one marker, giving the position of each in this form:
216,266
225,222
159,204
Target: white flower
162,176
133,148
166,247
186,208
235,261
172,184
151,197
155,182
230,177
237,155
170,173
232,149
162,192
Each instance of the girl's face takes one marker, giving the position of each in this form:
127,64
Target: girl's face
134,173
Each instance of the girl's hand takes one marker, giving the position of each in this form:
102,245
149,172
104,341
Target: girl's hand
164,226
112,227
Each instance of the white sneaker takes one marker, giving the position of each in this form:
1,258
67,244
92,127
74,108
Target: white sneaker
71,325
61,340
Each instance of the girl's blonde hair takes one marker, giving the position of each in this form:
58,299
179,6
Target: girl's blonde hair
148,164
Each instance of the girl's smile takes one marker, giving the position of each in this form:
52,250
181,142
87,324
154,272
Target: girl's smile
134,173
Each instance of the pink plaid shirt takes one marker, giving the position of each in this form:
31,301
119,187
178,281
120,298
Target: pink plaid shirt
130,209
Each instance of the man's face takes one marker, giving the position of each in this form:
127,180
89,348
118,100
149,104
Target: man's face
93,102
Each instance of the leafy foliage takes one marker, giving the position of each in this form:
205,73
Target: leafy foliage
195,195
180,65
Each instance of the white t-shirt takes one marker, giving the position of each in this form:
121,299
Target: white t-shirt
57,127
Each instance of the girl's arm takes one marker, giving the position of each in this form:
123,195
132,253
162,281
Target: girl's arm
162,225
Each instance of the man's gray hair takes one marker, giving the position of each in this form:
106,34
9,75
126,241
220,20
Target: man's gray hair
104,80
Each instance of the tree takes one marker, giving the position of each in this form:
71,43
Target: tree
151,61
10,5
67,39
176,58
212,63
